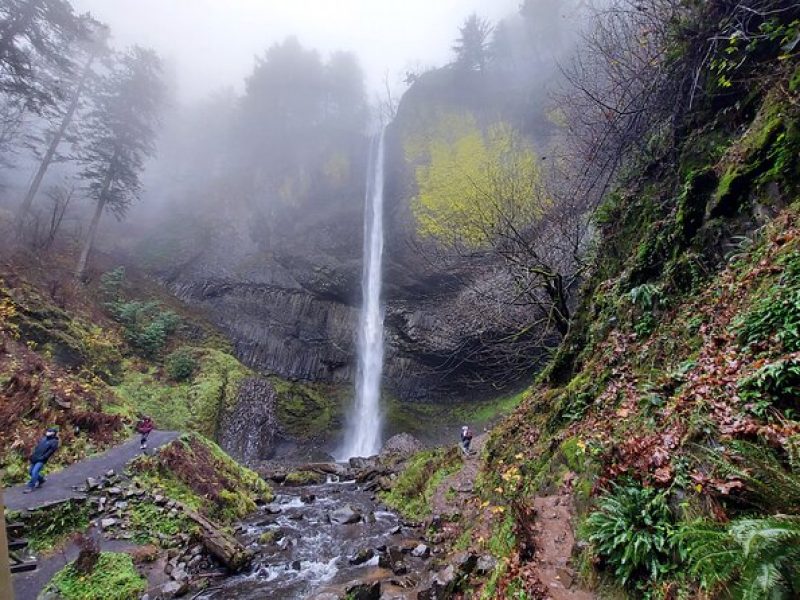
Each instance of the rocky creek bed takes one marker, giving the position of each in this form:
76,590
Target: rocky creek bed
324,539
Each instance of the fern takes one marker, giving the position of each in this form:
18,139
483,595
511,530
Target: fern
747,560
633,531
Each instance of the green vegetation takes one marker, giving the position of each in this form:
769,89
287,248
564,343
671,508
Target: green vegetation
413,489
147,522
114,577
459,165
181,364
300,478
48,529
197,403
306,410
196,472
775,385
747,559
633,531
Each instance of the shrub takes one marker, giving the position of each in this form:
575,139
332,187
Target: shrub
776,384
749,558
146,326
632,531
181,364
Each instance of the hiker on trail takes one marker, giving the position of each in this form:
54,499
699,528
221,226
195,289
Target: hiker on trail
144,427
466,439
39,457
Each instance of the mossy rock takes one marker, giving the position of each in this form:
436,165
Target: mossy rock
301,478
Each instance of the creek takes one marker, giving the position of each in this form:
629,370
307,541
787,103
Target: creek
304,551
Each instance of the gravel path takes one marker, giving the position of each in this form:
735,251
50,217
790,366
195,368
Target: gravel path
61,486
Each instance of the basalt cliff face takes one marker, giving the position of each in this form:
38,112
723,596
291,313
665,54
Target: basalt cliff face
286,287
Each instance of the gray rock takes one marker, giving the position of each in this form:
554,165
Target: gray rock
485,565
173,589
358,462
362,556
114,491
465,562
400,447
92,484
307,498
421,551
109,522
359,590
345,515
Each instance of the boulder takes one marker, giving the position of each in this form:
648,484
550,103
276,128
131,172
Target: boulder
362,556
359,462
399,447
421,551
465,562
440,585
173,589
345,515
359,590
485,565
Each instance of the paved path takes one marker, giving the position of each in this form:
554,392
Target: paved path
61,486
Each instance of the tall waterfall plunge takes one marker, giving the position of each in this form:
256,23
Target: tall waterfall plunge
363,436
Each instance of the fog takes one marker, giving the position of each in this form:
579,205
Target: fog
209,44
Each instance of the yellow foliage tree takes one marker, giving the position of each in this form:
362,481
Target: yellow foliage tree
475,188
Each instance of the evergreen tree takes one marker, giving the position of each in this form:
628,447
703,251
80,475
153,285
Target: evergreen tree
472,47
34,38
120,137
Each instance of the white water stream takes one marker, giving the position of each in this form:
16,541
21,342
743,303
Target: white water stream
363,435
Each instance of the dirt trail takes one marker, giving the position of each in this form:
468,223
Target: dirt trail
461,482
554,544
60,486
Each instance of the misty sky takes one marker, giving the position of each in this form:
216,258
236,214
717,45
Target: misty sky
210,44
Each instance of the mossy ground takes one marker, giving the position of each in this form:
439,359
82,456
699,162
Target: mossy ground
196,472
413,489
114,577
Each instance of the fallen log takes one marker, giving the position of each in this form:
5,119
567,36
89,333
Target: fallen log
220,544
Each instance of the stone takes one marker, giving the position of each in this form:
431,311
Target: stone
121,505
173,589
566,576
439,586
421,551
307,498
359,590
296,565
399,447
159,500
485,565
108,522
396,530
345,515
362,556
296,517
179,573
110,473
465,562
114,491
92,484
358,462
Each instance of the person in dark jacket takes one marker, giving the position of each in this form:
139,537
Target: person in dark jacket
466,439
143,428
39,457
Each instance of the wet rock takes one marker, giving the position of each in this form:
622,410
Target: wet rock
359,590
399,447
345,515
247,432
307,498
296,517
173,589
396,530
465,562
296,565
179,573
421,551
92,484
362,556
110,473
440,585
485,565
360,463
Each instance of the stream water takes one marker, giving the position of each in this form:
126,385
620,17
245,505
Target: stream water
308,552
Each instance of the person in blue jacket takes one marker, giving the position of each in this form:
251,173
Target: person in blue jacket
39,457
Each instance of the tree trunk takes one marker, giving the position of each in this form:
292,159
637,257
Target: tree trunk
54,143
92,233
220,544
558,298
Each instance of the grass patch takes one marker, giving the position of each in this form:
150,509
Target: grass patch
48,529
413,489
114,578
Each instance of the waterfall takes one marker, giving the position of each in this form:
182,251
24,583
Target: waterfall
363,436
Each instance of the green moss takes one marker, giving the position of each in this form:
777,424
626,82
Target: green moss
114,578
413,489
196,472
299,478
48,528
147,521
306,411
194,405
